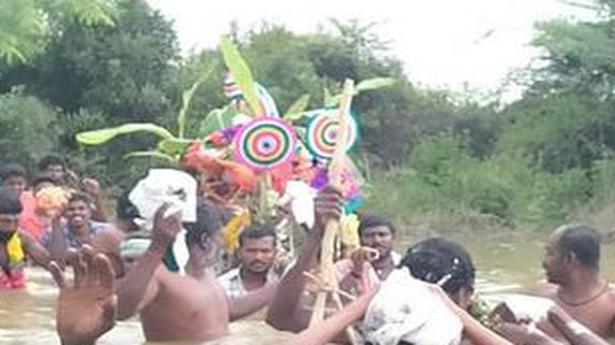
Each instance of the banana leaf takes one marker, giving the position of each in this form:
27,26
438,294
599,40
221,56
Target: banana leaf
151,154
173,147
328,99
365,85
296,110
217,119
101,136
183,112
374,83
241,73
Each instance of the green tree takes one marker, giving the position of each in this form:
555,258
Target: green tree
27,132
25,24
120,70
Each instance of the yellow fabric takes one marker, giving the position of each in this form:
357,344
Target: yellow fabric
234,228
14,248
349,231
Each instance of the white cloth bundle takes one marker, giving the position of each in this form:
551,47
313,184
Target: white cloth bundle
165,186
405,310
300,196
174,187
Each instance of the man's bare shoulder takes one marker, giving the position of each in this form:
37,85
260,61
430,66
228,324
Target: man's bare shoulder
611,294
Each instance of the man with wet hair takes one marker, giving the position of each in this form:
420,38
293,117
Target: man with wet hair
257,253
14,178
55,167
174,307
78,229
125,214
15,246
574,282
378,232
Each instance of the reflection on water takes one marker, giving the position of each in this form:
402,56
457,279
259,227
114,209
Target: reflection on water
506,262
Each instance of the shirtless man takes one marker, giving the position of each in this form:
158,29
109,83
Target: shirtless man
78,230
574,282
191,307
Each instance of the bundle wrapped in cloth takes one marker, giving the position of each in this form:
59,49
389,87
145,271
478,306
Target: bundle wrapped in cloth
406,310
174,187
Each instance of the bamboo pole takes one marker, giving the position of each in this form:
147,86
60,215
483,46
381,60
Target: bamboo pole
327,272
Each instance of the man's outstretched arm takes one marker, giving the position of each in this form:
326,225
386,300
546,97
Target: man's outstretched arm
283,311
572,330
327,330
251,302
138,288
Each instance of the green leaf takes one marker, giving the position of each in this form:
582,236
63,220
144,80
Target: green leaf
365,85
328,99
217,119
101,136
374,83
183,112
241,73
173,146
296,110
151,154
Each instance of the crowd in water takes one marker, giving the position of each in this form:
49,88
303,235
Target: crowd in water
423,296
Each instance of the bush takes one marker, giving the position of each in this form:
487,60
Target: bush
27,130
445,179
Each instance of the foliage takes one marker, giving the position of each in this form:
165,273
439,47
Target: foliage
27,131
24,24
536,161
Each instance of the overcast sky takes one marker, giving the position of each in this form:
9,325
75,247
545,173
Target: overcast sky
443,43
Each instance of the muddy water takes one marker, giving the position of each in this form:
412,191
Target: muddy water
506,262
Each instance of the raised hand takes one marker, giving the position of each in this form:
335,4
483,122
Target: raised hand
86,309
370,284
364,254
91,186
329,205
166,227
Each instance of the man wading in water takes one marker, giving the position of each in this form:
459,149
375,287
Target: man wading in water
572,266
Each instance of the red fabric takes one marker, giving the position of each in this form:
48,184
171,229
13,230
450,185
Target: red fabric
196,158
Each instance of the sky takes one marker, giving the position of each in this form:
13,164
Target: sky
450,44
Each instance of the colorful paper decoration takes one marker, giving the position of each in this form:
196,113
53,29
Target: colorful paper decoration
322,130
265,143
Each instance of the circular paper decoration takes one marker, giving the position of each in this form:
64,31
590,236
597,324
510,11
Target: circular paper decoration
321,136
234,94
265,143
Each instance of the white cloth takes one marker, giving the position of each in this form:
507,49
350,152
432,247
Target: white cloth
396,257
165,186
405,310
301,199
133,248
174,187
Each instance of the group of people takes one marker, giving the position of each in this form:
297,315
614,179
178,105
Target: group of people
422,297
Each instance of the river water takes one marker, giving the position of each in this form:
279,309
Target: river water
506,262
